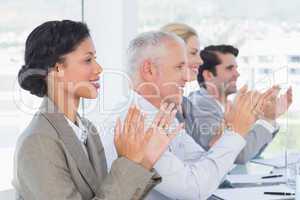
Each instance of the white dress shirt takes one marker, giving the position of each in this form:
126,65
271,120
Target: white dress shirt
187,170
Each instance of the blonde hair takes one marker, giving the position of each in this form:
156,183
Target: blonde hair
182,30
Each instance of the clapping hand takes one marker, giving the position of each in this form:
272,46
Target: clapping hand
145,146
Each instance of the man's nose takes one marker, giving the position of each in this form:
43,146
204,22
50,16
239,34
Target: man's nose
237,74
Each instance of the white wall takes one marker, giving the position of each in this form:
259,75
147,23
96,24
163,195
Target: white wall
113,24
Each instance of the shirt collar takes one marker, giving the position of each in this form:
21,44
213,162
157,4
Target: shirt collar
143,103
146,107
79,130
204,92
220,105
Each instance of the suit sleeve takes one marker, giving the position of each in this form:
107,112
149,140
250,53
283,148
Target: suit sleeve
128,180
203,123
43,170
257,140
207,118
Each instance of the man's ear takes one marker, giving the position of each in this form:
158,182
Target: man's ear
148,70
207,75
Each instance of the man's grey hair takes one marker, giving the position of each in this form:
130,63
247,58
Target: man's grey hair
148,45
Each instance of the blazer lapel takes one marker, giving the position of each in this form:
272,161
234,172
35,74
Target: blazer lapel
217,109
95,150
71,142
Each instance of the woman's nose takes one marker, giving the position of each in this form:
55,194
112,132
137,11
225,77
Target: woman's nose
99,69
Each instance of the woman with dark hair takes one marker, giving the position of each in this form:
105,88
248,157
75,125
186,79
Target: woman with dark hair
60,154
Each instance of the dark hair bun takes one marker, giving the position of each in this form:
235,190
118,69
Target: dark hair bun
45,46
33,80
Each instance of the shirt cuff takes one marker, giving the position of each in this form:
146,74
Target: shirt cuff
270,127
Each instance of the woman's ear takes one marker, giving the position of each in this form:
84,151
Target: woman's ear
148,71
59,69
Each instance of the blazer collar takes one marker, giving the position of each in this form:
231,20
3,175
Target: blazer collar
48,106
56,118
204,93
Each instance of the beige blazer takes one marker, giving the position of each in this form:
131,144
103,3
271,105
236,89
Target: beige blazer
50,163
